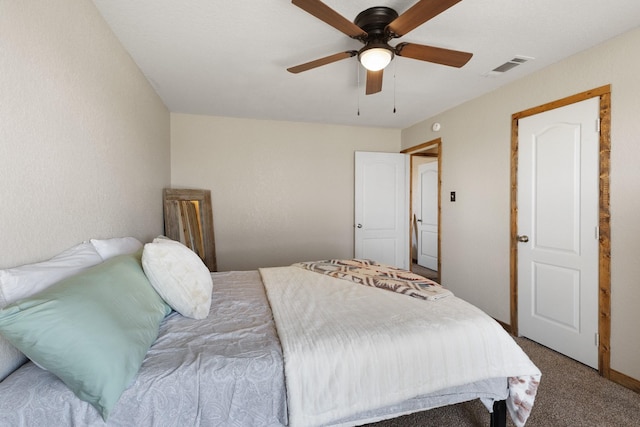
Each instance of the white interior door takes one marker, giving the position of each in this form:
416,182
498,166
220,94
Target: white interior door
428,215
558,191
381,220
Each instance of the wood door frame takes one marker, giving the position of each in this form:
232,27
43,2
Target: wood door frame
604,279
415,151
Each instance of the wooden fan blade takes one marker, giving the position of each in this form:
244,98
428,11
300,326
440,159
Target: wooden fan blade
322,61
331,17
374,82
417,15
452,58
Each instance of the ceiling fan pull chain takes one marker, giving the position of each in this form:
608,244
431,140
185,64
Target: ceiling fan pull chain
395,67
358,78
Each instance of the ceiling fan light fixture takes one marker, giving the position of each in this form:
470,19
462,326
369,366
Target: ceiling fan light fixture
375,57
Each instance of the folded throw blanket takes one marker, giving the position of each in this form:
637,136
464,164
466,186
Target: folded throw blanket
371,273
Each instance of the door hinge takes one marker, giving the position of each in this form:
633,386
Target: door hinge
597,125
597,233
597,339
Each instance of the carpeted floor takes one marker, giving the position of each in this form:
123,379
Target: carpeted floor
424,272
570,395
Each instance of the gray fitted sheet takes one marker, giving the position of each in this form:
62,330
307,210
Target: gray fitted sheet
225,370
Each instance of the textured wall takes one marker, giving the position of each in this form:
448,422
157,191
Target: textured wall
84,139
476,164
282,192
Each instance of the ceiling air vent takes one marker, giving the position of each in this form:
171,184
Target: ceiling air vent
512,63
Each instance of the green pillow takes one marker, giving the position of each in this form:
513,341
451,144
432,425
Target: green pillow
92,330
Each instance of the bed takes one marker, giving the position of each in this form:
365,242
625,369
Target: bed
257,359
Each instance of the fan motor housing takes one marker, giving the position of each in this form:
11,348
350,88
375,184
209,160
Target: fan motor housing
374,21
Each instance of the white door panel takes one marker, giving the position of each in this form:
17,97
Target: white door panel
556,295
428,216
381,208
381,250
558,191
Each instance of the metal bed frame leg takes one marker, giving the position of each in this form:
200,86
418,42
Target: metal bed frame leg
499,414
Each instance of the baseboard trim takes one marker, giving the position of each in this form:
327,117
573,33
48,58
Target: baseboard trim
624,380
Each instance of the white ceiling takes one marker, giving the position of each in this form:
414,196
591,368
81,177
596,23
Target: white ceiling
229,57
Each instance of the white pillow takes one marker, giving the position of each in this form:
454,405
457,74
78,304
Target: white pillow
21,282
27,280
179,276
108,248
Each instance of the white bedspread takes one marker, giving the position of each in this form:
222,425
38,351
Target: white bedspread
349,348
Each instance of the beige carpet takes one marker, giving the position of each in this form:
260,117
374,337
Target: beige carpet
570,395
424,272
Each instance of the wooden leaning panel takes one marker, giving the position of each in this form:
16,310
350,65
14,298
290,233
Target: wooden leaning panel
188,218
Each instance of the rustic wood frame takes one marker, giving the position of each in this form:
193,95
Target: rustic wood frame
188,218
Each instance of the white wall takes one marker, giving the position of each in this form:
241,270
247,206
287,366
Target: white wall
84,139
476,164
282,192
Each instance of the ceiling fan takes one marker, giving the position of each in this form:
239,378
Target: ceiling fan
375,27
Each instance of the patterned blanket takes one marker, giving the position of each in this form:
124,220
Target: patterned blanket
371,273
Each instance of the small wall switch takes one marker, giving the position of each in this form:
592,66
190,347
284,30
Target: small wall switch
453,196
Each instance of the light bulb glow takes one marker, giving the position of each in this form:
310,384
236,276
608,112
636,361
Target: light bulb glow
375,59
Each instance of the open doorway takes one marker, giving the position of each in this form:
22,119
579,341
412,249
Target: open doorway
424,208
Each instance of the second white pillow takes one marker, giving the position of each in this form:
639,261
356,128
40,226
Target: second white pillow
179,276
